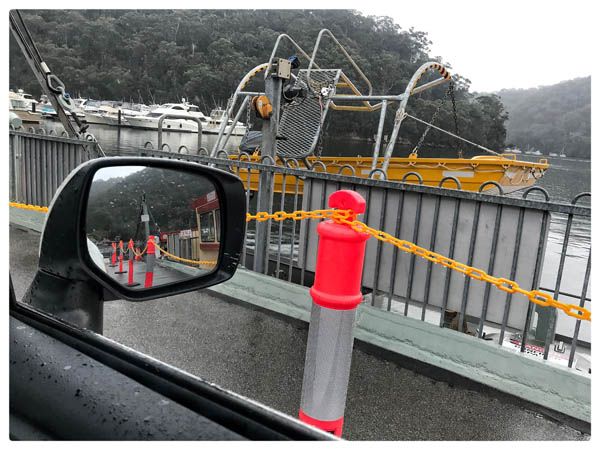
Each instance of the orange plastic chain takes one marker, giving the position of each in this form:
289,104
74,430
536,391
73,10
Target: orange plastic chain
512,287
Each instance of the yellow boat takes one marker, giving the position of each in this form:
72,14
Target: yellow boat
297,130
478,173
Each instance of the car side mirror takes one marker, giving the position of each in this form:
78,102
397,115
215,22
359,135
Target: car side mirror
136,229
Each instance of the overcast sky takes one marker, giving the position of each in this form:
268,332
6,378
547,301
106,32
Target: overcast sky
503,43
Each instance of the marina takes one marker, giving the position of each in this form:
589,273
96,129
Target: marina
476,260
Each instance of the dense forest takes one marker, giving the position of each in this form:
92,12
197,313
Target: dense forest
157,56
551,118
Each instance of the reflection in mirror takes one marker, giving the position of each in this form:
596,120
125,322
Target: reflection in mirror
150,226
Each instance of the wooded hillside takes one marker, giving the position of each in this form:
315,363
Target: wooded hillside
551,118
159,56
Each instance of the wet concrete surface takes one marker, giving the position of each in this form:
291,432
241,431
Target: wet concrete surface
261,355
160,275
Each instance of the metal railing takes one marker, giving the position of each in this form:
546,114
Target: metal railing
536,242
39,162
511,236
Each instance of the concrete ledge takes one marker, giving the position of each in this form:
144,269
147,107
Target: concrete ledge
530,379
28,219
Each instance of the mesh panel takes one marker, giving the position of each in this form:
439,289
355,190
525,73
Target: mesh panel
300,124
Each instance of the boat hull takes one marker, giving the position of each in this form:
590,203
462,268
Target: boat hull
27,116
179,125
510,174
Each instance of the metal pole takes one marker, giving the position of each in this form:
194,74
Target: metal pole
269,132
235,121
379,134
336,294
145,219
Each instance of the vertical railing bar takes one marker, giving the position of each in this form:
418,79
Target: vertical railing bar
584,289
436,215
513,271
413,257
491,263
61,164
294,225
245,245
561,266
56,156
307,231
382,218
26,169
395,252
457,204
11,145
256,225
366,218
536,278
31,174
37,172
19,168
281,208
467,283
44,177
270,222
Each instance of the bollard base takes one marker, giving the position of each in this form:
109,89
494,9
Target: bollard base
132,284
119,272
330,426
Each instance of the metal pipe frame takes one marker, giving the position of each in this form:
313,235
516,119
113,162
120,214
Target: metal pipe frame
400,114
162,118
346,54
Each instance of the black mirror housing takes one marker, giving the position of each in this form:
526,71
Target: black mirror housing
64,255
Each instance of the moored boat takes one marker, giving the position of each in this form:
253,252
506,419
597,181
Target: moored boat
309,94
191,114
24,106
473,174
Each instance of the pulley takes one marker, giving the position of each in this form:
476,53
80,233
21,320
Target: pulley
262,106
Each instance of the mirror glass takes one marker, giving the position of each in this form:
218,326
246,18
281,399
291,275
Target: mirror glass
150,226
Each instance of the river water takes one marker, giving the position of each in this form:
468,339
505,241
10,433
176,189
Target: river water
565,179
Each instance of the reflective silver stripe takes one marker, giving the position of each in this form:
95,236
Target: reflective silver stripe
327,365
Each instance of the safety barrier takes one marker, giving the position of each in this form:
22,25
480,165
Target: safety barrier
518,237
336,294
39,163
343,217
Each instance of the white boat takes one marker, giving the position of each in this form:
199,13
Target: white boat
210,125
552,154
105,115
216,120
536,153
514,151
24,106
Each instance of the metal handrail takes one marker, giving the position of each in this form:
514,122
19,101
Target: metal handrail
162,118
346,54
277,42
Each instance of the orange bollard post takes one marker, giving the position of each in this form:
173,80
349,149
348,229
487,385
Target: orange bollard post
130,280
120,271
150,254
336,294
113,260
